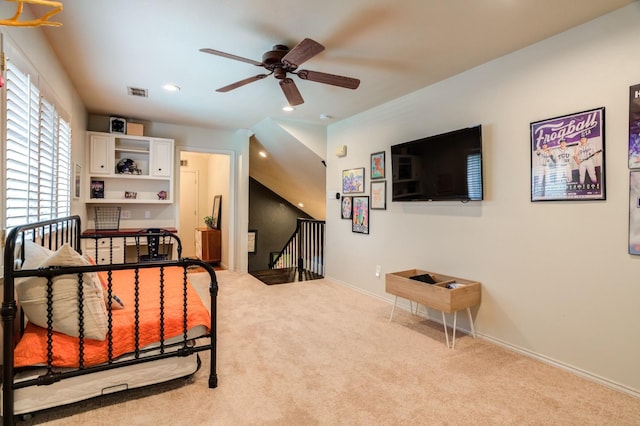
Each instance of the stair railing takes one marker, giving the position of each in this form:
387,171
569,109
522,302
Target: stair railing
304,250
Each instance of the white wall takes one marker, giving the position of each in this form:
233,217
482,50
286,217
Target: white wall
557,280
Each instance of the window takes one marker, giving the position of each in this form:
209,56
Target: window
37,153
474,176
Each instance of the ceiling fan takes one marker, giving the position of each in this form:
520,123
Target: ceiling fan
281,61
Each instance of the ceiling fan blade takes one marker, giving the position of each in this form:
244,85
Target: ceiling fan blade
335,80
303,51
230,56
291,92
242,83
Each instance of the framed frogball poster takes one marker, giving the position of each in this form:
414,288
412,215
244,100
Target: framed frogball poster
634,126
567,157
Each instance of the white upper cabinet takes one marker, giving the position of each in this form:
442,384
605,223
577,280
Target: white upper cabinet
129,169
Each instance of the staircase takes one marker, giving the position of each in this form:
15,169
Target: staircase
302,257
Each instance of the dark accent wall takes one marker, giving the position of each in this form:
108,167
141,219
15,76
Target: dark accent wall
274,219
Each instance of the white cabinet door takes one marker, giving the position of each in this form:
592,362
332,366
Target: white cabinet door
161,152
102,150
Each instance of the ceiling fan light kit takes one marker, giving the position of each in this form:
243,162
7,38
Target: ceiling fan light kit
280,61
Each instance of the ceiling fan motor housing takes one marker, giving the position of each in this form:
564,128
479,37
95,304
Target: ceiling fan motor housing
272,60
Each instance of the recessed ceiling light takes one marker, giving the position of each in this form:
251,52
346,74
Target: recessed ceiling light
288,108
300,205
325,117
263,154
170,87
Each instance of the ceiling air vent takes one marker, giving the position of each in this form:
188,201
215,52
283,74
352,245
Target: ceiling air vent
135,91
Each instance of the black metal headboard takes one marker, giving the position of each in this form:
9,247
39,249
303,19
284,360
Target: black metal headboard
51,234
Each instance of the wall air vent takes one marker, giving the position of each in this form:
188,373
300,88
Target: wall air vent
135,91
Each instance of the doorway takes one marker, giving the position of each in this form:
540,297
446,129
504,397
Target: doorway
203,175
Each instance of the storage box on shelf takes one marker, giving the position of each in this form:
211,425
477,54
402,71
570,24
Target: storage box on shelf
448,294
131,169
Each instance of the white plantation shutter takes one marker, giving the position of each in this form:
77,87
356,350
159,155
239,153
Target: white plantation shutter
38,148
47,161
63,176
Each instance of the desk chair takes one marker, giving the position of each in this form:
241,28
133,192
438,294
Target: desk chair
153,246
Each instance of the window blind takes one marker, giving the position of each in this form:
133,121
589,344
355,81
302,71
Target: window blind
38,148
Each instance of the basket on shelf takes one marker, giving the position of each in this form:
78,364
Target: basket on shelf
107,218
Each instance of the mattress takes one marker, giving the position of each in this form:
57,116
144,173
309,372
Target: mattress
79,388
36,398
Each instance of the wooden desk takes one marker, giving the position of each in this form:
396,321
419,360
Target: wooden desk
114,249
121,231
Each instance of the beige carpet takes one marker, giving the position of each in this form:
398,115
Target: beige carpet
317,353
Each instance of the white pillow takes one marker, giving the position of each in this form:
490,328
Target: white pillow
34,255
32,295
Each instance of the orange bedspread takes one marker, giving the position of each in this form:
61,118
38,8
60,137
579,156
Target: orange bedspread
32,348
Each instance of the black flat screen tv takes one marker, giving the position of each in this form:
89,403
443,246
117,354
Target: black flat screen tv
445,167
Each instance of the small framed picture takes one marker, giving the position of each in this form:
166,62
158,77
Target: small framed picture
117,125
377,165
252,241
77,175
130,195
379,195
360,215
97,189
353,181
346,206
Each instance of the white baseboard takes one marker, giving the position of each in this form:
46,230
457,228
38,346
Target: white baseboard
404,304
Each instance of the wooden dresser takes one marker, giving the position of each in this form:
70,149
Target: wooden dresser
208,245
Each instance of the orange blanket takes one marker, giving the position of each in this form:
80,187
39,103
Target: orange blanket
32,348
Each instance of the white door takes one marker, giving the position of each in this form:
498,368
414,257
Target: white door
188,212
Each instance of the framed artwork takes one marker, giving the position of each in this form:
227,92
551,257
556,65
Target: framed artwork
215,213
567,157
379,195
97,189
360,215
77,174
634,212
377,165
117,125
346,207
353,181
252,241
634,127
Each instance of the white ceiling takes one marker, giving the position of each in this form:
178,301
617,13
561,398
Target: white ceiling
393,46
